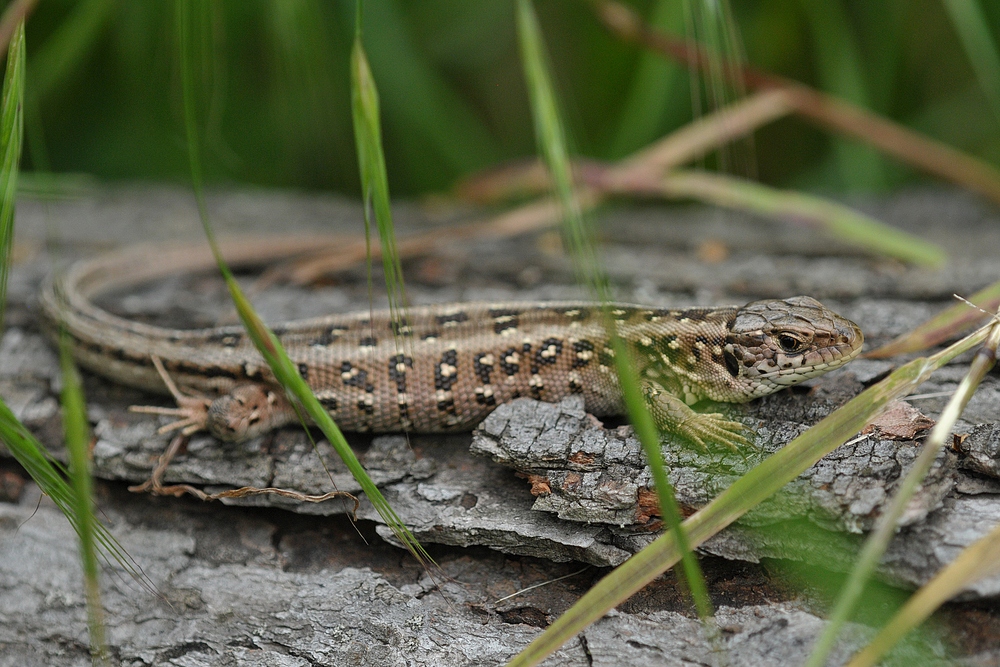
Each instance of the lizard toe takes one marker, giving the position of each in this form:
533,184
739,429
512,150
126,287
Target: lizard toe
715,428
191,414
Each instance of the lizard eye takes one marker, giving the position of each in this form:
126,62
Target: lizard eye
789,343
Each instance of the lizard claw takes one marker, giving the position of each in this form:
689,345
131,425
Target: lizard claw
192,411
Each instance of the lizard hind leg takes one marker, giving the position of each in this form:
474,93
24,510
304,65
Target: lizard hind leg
191,410
248,410
672,414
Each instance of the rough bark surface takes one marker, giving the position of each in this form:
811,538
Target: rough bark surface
549,489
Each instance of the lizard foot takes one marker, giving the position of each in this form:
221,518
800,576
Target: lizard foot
191,411
674,415
709,428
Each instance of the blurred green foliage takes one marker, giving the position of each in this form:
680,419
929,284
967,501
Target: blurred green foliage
104,91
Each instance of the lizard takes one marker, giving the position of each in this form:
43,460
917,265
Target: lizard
442,367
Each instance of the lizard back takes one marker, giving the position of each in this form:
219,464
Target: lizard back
445,367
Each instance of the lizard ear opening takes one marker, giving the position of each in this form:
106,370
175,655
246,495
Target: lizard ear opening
732,363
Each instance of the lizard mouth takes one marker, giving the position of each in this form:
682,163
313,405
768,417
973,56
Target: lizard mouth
780,344
830,351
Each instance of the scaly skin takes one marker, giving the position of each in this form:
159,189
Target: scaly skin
448,366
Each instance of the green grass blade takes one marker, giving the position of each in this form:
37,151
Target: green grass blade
973,30
311,50
710,23
946,324
264,339
50,476
977,561
11,137
288,376
31,455
652,100
64,50
440,123
374,178
841,222
551,140
14,16
25,449
878,541
839,63
649,437
77,432
745,493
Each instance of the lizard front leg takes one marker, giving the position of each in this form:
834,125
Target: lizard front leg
673,415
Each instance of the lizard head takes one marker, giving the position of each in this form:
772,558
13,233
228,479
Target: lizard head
773,344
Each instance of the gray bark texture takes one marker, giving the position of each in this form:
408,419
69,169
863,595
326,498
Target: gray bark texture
538,493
